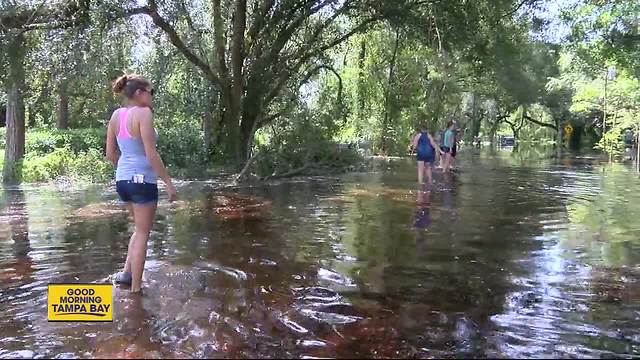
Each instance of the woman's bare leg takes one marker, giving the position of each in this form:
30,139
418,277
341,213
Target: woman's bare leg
427,167
127,263
420,171
447,161
144,216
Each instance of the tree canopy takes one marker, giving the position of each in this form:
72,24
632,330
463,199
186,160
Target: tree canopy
245,78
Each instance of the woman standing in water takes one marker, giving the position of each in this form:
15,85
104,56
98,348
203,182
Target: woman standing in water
447,146
454,149
131,146
425,147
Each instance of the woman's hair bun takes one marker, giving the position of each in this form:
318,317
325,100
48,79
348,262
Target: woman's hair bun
119,84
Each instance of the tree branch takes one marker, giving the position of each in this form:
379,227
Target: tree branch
259,22
318,50
269,119
219,41
551,126
514,10
244,170
289,174
196,32
237,46
68,14
174,38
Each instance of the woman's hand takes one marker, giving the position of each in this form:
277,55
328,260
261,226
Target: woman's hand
171,192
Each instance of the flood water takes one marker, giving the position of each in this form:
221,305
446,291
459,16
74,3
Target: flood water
506,258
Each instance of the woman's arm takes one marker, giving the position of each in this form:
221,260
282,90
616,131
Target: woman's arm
414,141
113,154
435,146
148,136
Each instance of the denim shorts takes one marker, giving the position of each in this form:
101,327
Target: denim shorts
137,193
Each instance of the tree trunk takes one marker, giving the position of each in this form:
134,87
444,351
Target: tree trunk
492,134
361,100
36,107
211,123
558,139
14,151
237,82
387,100
63,106
207,127
231,132
476,120
218,122
250,116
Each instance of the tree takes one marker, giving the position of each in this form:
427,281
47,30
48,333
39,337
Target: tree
15,21
251,51
269,44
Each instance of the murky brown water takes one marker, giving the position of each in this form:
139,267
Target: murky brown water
507,258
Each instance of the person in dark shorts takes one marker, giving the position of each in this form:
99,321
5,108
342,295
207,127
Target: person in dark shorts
425,147
131,146
454,149
447,146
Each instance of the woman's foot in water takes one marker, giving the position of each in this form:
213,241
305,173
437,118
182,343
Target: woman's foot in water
123,278
137,292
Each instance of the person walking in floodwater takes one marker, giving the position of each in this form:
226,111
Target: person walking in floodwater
131,147
425,147
454,148
447,146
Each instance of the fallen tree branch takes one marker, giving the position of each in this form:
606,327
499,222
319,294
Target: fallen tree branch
289,174
244,170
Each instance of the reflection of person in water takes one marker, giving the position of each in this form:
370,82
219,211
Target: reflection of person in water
16,213
422,218
132,339
447,195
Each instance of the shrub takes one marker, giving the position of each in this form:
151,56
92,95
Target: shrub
39,168
181,144
43,142
300,143
85,166
91,166
79,153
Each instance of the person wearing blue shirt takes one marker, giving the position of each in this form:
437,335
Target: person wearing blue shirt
447,145
425,147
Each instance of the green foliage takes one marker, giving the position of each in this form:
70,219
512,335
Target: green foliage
300,143
605,32
181,145
88,166
79,153
480,63
42,142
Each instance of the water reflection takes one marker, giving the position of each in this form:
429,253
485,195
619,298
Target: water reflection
422,219
506,258
15,215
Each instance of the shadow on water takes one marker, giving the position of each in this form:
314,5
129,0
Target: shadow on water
507,257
